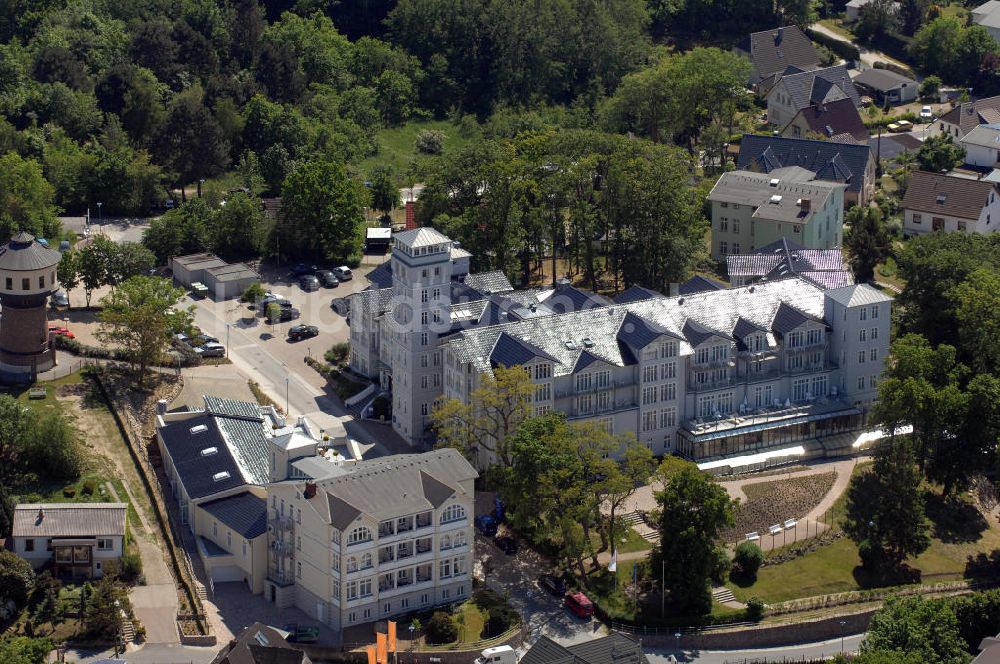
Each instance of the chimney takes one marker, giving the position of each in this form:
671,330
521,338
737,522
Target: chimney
41,514
778,36
310,491
161,406
411,215
805,204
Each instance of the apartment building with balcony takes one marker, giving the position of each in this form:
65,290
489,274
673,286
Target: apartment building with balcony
710,374
359,542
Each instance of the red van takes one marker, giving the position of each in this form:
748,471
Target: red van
580,604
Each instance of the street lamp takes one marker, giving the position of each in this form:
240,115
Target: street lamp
100,217
842,624
201,181
677,640
412,630
228,326
287,412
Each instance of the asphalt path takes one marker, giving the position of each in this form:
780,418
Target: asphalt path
797,653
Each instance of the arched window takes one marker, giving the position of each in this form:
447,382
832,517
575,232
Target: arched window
445,542
453,513
459,539
352,564
361,534
366,561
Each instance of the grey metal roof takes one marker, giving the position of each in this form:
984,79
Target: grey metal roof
25,253
562,336
883,80
858,295
765,153
233,408
244,513
421,237
249,446
985,135
781,201
391,486
196,471
488,282
69,519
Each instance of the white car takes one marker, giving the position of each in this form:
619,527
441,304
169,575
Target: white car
343,273
926,113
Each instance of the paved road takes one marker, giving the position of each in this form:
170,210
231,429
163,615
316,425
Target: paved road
806,651
868,57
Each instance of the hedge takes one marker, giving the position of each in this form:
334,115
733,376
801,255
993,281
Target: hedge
846,50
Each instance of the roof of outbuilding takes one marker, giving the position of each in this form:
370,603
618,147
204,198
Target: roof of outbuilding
245,513
936,193
883,80
772,51
260,644
987,136
25,253
69,519
765,153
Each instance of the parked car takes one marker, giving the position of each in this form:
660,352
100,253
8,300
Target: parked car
211,349
486,524
328,278
579,604
300,269
61,331
552,584
288,314
202,339
507,544
900,126
182,338
59,299
926,113
275,299
343,273
308,283
298,332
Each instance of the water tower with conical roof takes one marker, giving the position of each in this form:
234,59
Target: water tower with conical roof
27,278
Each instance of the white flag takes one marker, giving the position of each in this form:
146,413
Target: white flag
613,565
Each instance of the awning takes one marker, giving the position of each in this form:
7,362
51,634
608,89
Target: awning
56,541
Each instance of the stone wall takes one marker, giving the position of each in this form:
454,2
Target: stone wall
763,636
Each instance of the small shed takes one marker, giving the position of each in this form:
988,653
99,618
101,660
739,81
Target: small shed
884,85
229,281
377,240
191,268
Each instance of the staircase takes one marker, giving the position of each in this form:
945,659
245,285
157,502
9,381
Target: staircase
632,518
723,595
201,591
128,631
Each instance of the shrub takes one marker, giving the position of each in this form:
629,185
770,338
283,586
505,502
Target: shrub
430,141
721,567
16,579
748,558
89,486
69,491
130,569
441,628
755,609
499,621
338,353
252,293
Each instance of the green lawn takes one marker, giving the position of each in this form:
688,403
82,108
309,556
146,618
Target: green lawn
628,542
397,147
955,10
958,533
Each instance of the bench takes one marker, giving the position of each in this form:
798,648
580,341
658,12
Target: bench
775,529
791,523
753,537
37,393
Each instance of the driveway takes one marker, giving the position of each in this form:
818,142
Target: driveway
543,613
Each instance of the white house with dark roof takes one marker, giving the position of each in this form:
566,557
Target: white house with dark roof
76,539
796,91
982,146
935,202
358,542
